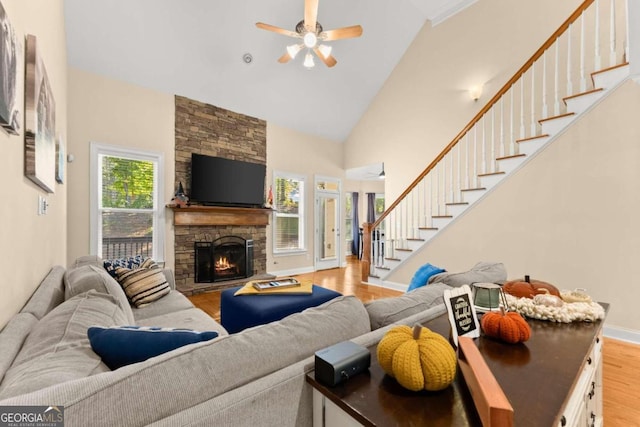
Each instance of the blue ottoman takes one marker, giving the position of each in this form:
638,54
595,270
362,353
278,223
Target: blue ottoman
245,311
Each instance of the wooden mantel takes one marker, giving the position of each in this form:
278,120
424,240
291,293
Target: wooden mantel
218,215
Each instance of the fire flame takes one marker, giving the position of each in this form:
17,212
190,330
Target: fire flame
223,263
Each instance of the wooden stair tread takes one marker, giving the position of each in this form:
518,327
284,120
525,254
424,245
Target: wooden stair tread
559,116
514,156
428,228
604,70
383,268
442,216
546,135
393,259
577,95
456,203
490,174
474,189
404,249
413,239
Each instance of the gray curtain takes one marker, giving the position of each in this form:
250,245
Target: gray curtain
355,224
371,207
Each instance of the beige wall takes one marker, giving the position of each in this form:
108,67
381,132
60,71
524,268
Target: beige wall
295,152
568,217
425,101
30,244
111,112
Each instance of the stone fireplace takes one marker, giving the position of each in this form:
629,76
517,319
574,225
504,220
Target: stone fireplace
226,258
205,129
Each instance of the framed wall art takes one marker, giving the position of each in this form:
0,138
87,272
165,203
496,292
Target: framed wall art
39,129
60,159
11,71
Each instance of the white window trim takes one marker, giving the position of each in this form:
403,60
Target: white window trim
301,215
95,182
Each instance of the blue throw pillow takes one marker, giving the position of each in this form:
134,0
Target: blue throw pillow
121,346
131,262
422,276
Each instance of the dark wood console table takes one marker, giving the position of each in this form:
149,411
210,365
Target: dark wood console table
552,379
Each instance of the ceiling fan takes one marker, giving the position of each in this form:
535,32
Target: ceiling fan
311,35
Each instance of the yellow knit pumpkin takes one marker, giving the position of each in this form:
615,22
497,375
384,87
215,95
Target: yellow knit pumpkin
417,358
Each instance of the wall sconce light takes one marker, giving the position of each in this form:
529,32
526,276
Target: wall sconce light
475,92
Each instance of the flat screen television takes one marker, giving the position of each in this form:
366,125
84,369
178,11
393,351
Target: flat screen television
224,182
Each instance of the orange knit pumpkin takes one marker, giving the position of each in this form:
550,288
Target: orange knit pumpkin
506,326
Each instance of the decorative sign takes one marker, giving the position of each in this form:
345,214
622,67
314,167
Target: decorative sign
462,313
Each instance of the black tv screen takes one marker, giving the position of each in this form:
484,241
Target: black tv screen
223,182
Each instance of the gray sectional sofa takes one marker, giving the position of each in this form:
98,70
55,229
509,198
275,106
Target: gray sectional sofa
252,378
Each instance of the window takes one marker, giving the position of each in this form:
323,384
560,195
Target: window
127,218
348,203
289,215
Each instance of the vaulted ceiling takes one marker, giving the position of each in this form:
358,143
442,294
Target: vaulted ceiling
195,48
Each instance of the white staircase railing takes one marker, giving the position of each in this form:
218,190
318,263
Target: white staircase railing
530,105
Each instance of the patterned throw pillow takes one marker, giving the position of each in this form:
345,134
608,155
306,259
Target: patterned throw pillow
124,345
131,262
143,285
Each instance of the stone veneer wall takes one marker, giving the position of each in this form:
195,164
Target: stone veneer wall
205,129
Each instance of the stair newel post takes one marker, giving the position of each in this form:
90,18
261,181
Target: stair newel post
452,197
365,263
459,171
484,145
612,34
597,57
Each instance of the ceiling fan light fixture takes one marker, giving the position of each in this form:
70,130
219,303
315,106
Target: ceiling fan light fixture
293,50
325,50
308,61
310,40
382,174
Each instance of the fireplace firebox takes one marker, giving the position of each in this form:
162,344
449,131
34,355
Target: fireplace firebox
226,258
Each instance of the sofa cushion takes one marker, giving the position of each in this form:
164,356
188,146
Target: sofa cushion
145,284
173,301
482,272
191,318
12,337
57,349
87,260
422,275
385,311
124,345
90,277
48,295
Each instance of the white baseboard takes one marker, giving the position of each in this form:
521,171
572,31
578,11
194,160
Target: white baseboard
402,287
292,272
622,334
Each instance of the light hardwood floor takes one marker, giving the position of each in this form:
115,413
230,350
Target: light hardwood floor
621,376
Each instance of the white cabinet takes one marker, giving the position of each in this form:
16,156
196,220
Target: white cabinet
584,407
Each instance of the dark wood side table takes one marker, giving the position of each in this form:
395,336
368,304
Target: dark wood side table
555,378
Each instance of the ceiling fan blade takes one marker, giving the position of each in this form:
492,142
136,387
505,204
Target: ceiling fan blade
328,60
342,33
278,30
310,14
284,58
